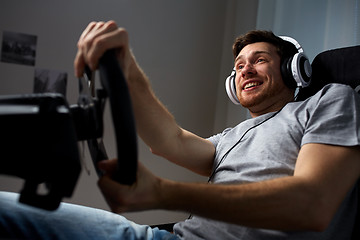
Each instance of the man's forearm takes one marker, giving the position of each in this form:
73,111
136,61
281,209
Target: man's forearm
160,131
154,123
283,203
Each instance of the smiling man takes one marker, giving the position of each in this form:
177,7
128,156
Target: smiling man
258,79
289,172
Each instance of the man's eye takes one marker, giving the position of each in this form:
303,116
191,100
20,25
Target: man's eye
261,60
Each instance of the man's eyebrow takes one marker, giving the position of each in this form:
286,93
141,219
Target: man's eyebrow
254,53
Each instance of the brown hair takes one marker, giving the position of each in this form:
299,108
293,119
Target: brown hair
284,48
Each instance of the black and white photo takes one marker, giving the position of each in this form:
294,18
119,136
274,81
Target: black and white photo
18,48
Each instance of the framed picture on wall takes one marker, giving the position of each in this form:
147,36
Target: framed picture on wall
53,81
18,48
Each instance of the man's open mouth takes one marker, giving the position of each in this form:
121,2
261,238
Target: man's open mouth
251,85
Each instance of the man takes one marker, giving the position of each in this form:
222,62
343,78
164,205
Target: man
279,175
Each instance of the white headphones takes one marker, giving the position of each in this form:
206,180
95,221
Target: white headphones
296,72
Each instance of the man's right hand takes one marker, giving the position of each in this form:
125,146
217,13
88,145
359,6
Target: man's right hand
96,39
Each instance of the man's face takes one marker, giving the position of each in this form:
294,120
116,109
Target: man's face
259,85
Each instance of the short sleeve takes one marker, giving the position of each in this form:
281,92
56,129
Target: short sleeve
215,139
333,117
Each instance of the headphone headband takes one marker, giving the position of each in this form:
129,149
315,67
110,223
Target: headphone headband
294,42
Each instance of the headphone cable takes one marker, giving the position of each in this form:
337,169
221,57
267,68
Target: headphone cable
228,151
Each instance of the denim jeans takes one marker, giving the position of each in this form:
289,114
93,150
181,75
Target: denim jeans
69,222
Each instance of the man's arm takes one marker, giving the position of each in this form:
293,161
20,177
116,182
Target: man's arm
159,130
306,201
154,123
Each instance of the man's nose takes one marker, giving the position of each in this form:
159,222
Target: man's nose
248,69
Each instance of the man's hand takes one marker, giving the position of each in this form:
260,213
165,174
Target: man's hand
142,195
95,40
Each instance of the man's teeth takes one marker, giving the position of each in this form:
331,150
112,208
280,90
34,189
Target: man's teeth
252,84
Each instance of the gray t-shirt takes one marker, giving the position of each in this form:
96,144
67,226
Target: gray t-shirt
267,147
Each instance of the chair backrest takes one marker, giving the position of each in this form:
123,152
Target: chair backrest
337,66
340,65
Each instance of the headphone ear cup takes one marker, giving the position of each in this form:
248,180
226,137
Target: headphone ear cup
301,70
231,87
296,71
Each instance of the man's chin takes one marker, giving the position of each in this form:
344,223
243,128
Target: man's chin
251,101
